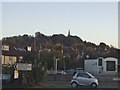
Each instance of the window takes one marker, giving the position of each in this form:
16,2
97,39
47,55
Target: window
10,58
79,75
29,48
85,75
100,61
5,48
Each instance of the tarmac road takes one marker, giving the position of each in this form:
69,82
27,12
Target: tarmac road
66,84
61,84
104,82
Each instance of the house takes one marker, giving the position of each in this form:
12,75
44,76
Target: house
0,50
12,54
119,65
101,65
0,58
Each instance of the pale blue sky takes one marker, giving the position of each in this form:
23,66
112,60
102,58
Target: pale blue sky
92,21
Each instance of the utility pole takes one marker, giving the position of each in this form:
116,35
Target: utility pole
55,64
64,63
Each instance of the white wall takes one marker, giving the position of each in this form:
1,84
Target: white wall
91,65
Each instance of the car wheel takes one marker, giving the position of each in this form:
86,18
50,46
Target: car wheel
94,85
74,84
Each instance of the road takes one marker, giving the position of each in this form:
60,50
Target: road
105,81
63,84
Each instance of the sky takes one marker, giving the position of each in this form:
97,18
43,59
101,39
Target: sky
92,21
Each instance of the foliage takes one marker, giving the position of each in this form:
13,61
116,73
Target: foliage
58,44
7,69
48,57
30,78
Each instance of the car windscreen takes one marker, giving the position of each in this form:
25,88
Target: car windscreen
90,75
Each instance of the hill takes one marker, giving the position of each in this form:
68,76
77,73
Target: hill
74,42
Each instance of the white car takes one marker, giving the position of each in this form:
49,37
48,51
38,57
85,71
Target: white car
84,79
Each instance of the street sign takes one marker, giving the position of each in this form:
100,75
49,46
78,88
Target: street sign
16,74
24,66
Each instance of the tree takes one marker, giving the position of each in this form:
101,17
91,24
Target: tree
8,69
48,58
38,72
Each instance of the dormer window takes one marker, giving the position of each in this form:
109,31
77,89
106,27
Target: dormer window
28,48
5,47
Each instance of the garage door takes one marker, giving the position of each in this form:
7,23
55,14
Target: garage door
110,65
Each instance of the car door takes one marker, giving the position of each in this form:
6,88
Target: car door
80,79
84,79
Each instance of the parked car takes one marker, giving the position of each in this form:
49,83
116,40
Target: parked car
61,72
78,69
84,79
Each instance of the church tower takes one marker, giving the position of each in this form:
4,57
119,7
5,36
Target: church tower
69,32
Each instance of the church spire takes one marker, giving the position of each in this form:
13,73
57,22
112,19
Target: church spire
69,32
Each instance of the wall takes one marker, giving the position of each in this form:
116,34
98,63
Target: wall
93,67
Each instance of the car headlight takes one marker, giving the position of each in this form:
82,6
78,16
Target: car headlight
96,81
